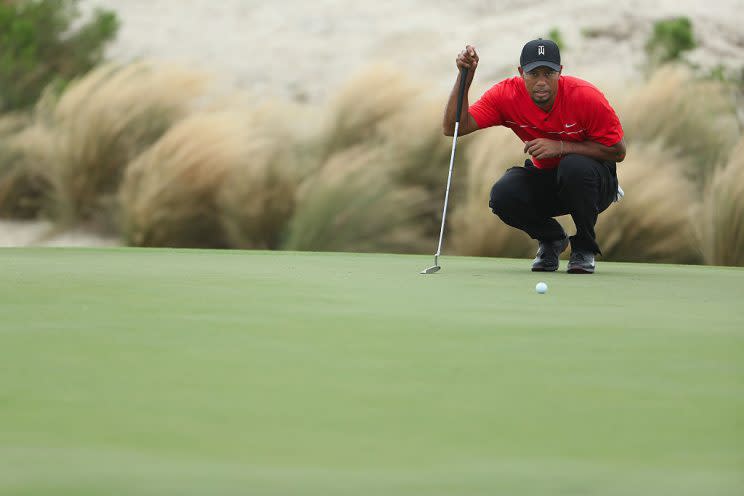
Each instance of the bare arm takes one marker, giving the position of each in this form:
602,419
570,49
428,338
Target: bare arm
592,149
467,59
545,148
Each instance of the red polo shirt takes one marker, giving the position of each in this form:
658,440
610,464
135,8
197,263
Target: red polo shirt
580,112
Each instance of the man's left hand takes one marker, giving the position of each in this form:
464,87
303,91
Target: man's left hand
541,148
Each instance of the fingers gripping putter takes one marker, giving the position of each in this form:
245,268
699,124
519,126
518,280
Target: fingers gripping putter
435,268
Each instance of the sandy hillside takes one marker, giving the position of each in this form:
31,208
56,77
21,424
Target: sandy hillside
305,50
299,48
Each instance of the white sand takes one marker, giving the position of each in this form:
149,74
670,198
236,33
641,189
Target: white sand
42,233
296,47
305,50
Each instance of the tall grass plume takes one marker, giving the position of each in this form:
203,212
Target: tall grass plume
258,197
414,142
694,119
105,120
169,195
721,222
476,231
352,204
653,222
364,104
24,183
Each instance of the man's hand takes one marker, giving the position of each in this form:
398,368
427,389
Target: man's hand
541,148
467,59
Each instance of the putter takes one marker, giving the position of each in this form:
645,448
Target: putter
435,268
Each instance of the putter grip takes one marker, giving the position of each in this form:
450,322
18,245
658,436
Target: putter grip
461,94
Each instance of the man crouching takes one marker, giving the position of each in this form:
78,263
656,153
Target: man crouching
574,138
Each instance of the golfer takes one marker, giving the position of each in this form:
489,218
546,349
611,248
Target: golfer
574,139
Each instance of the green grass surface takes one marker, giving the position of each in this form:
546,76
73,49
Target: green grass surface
183,372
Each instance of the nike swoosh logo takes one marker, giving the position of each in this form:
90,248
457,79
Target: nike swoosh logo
571,125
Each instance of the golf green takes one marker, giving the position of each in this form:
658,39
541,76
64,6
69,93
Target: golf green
194,372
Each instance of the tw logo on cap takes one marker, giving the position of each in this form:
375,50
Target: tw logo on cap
541,50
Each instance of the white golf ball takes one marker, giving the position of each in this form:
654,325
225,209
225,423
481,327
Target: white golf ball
541,287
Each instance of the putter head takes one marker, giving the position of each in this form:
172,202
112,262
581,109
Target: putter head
431,270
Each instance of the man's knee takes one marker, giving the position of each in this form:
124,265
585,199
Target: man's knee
501,199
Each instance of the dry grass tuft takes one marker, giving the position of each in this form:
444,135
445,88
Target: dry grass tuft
127,143
421,151
12,123
106,119
364,104
414,142
352,204
721,222
653,222
476,231
24,185
169,194
258,198
694,119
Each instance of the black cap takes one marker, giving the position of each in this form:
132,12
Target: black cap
538,53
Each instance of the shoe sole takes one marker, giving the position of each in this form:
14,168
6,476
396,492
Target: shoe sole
579,270
540,269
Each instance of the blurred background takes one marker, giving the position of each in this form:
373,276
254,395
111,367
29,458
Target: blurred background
296,126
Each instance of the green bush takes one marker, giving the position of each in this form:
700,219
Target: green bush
43,44
555,35
669,40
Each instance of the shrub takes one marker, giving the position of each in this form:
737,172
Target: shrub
693,119
12,123
43,42
413,142
169,194
105,120
352,204
556,35
23,184
721,223
381,107
669,40
475,229
258,198
364,104
653,221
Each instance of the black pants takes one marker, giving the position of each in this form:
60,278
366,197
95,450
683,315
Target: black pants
528,198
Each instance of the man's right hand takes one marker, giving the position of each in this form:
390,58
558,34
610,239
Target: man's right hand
467,59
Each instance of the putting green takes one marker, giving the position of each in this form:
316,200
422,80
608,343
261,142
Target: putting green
190,372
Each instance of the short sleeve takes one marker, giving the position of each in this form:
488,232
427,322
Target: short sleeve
601,122
487,110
